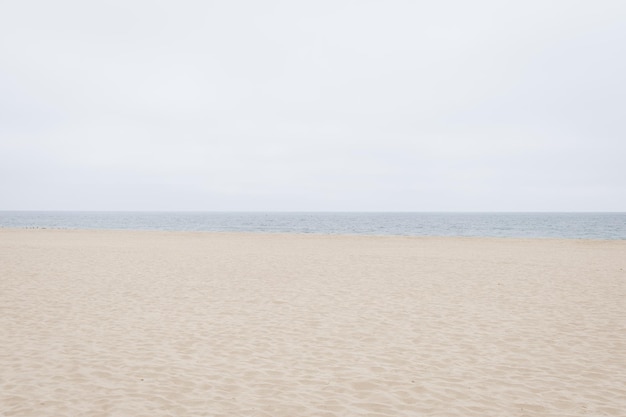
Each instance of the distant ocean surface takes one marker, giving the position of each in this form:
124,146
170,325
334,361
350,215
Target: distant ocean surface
548,225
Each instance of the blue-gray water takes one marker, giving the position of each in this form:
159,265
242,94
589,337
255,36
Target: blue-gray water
554,225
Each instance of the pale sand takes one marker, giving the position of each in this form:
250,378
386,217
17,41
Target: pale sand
107,323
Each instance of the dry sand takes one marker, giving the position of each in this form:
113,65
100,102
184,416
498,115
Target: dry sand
109,323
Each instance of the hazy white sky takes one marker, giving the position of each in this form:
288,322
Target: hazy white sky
313,105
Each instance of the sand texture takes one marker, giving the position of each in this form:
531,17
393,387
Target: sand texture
111,323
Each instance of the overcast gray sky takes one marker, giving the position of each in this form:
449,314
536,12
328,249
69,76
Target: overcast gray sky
313,105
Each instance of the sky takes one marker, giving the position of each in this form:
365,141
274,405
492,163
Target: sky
313,105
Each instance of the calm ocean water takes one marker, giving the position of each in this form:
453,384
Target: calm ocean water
555,225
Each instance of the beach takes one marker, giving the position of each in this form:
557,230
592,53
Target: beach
123,323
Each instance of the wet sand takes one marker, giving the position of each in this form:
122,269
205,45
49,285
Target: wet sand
118,323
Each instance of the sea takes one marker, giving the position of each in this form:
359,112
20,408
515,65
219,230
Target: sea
520,225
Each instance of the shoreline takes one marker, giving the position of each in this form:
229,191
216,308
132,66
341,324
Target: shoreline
601,226
301,234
